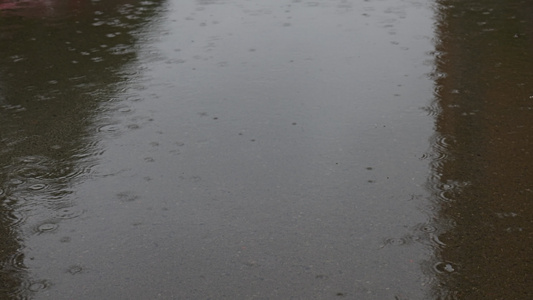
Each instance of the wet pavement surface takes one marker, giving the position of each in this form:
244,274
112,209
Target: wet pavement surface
285,149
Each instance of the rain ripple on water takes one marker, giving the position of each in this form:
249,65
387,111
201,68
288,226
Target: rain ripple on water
41,167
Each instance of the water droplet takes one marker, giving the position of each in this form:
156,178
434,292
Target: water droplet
428,228
16,182
415,238
446,196
435,238
74,269
127,197
69,172
70,213
17,261
38,286
38,186
124,109
395,241
445,267
47,227
109,128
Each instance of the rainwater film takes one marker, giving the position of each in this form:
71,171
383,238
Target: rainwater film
283,149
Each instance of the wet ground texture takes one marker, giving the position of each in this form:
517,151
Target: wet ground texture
284,149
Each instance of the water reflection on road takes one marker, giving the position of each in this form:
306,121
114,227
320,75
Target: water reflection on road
249,149
483,161
60,63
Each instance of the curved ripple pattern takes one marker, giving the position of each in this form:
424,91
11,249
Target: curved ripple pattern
14,286
45,227
445,267
428,234
41,167
69,213
15,262
39,187
15,218
443,189
14,283
440,150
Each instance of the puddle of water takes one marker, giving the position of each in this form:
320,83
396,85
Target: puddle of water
58,69
236,149
481,160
